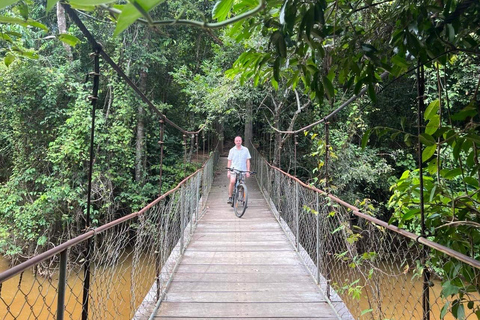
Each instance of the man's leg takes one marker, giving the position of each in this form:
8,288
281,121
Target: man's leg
230,187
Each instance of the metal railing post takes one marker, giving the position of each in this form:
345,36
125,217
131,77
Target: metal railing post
182,218
197,194
318,237
426,273
93,98
62,283
297,217
261,173
191,201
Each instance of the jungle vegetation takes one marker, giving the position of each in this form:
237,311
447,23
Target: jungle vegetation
413,65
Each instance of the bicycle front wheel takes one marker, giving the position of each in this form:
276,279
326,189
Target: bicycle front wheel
240,200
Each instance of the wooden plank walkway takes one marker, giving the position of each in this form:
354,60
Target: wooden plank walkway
241,268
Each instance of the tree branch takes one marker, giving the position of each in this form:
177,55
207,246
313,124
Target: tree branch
194,23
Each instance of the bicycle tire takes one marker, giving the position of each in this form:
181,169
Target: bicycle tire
241,200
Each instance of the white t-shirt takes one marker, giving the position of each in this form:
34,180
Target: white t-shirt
239,158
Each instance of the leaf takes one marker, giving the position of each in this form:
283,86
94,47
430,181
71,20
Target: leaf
444,310
432,109
23,23
433,166
366,137
95,2
329,90
69,39
221,10
278,40
457,147
466,112
399,61
427,139
130,14
410,214
473,137
428,152
471,181
51,4
9,58
276,69
433,124
450,174
23,9
6,3
6,37
366,311
449,289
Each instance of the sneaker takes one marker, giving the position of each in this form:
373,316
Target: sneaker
230,200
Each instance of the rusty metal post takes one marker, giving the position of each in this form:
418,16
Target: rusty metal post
196,144
280,158
327,151
158,260
297,217
89,246
317,208
62,283
270,149
182,217
327,155
426,274
161,143
295,136
185,156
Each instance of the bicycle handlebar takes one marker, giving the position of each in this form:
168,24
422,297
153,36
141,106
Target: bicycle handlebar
233,169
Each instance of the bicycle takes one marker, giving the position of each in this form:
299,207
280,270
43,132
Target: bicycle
240,192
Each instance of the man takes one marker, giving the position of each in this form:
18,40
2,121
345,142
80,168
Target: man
238,158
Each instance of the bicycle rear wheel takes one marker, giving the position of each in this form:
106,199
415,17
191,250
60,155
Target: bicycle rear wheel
240,200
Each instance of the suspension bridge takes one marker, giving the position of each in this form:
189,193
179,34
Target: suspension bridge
186,255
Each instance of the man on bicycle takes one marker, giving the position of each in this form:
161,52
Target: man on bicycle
238,158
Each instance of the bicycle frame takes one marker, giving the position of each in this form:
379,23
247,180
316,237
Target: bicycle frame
240,193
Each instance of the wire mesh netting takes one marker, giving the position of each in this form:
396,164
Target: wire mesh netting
131,262
368,270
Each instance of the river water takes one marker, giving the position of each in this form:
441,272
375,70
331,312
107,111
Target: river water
25,294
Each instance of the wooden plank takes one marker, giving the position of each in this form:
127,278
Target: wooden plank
267,288
251,310
241,277
243,269
249,296
240,258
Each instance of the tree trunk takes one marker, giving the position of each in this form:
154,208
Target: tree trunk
248,135
62,28
140,143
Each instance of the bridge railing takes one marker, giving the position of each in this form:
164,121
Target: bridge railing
368,268
127,256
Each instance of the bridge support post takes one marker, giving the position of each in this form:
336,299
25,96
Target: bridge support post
182,217
426,273
297,217
191,201
62,283
318,237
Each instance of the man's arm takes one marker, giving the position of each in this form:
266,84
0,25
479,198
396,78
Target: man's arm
229,164
248,168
